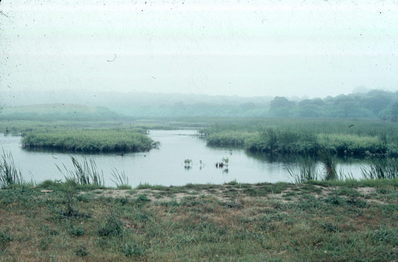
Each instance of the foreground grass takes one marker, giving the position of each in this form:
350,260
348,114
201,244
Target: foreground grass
320,221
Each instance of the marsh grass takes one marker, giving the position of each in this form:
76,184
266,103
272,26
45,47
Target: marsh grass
341,138
120,179
9,174
309,169
89,140
229,139
83,173
381,169
304,171
329,165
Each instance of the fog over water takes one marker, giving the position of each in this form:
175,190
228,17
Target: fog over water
244,48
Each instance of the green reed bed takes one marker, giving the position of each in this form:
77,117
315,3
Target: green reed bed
356,138
388,130
89,141
229,138
290,142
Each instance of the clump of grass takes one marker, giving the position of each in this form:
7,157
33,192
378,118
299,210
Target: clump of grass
143,198
111,227
385,235
9,174
70,205
83,173
330,167
81,251
5,239
120,179
132,249
381,169
76,231
304,171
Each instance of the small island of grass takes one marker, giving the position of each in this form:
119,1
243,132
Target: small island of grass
89,141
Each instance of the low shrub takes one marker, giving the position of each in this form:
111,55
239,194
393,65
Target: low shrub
111,227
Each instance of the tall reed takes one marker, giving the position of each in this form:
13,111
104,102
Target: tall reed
120,179
83,173
381,169
304,171
9,174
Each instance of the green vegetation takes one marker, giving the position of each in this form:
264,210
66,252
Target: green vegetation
229,138
83,173
120,179
324,216
319,221
289,142
376,104
89,141
9,174
305,171
382,169
307,137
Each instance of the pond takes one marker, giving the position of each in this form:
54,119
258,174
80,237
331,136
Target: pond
163,166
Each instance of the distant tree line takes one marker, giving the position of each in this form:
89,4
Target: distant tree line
374,104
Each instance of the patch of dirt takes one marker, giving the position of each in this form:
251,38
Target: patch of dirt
366,190
223,194
157,195
375,201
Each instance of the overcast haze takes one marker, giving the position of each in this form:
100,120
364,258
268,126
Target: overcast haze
245,48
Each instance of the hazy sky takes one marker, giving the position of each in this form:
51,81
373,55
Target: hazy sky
235,47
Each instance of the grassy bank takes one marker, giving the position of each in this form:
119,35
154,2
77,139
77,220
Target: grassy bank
89,141
325,221
230,138
305,137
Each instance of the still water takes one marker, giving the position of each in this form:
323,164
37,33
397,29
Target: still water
163,166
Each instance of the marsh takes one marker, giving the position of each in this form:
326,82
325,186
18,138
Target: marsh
165,165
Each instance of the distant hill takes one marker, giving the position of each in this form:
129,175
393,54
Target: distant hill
148,105
57,112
